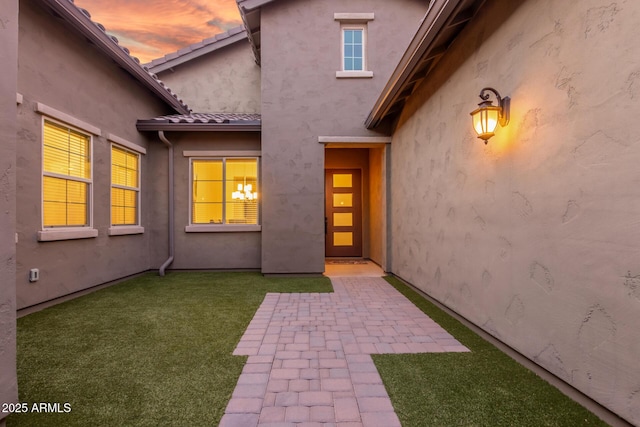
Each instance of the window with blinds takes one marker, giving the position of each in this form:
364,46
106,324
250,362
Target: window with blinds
125,186
66,181
224,191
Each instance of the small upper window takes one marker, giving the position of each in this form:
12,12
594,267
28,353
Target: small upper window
353,49
354,44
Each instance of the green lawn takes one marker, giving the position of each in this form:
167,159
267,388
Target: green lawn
146,352
482,388
156,351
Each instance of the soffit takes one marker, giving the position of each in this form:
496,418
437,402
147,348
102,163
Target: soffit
441,25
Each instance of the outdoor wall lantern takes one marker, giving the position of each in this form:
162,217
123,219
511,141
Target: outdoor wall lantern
487,116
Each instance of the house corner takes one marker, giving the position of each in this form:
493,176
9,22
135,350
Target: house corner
8,91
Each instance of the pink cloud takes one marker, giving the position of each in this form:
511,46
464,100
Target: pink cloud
151,28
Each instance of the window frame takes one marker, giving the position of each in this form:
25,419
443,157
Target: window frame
192,227
354,21
125,229
64,232
351,27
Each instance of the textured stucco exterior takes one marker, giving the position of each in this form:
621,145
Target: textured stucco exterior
209,250
8,90
378,203
534,236
226,80
301,100
63,71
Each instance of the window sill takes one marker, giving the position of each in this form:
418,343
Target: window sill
67,234
221,228
354,74
124,230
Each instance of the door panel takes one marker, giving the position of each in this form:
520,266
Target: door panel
342,200
343,213
342,219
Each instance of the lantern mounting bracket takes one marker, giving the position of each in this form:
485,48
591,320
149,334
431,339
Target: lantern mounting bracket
503,103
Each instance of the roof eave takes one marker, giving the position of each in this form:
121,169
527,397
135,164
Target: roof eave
85,26
250,14
154,126
423,45
253,4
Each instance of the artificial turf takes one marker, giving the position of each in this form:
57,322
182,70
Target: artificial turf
484,387
146,352
158,351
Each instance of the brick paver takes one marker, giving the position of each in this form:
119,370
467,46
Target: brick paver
309,356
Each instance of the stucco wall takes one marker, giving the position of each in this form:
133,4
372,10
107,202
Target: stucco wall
64,72
535,237
378,206
209,250
8,89
225,80
302,99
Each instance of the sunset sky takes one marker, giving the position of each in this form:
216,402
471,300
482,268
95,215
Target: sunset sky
152,28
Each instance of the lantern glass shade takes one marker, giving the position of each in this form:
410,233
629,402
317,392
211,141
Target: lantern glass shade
485,119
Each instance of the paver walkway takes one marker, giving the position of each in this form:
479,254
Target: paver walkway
309,356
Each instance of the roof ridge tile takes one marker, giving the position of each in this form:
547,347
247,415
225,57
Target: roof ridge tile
196,46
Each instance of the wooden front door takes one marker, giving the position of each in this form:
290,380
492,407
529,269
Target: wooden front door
343,213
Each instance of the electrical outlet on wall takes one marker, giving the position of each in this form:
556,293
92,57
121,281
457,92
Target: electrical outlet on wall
34,275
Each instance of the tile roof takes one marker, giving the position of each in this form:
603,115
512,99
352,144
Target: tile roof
113,38
80,20
209,118
196,50
203,122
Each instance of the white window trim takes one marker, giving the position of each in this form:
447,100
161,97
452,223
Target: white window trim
48,234
51,235
123,229
354,18
213,154
354,21
67,120
220,228
363,28
124,143
354,74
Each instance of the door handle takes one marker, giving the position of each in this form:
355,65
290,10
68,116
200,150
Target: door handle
326,222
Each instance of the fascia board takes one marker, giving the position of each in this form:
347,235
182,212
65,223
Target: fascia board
199,127
432,23
249,5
